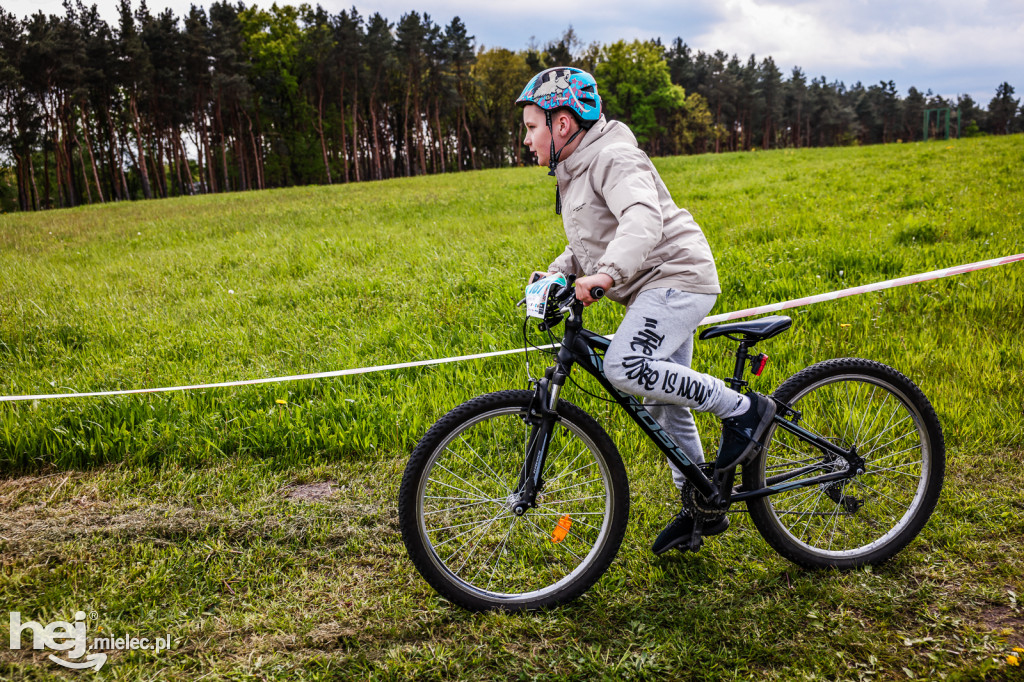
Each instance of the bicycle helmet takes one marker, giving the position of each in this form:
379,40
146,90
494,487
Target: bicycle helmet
564,86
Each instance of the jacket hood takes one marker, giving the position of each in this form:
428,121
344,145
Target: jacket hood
602,134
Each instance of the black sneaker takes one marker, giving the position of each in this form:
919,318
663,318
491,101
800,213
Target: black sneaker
740,434
679,531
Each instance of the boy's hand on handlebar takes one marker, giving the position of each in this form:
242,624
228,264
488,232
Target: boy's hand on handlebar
585,284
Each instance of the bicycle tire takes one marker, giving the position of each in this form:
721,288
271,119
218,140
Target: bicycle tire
872,516
456,496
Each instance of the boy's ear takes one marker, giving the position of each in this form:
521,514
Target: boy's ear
564,122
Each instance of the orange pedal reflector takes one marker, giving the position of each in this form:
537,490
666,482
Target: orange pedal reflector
562,529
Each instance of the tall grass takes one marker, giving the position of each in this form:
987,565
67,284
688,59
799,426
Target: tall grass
209,289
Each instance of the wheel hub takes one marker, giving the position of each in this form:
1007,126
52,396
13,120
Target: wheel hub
516,504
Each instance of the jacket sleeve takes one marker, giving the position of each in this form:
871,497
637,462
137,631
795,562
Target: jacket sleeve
625,179
566,263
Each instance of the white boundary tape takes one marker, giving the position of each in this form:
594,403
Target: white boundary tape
853,291
713,319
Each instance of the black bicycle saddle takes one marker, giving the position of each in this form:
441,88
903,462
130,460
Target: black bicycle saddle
752,330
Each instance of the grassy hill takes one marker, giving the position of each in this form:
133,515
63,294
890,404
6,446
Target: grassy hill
186,512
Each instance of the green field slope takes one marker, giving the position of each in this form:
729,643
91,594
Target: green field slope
194,513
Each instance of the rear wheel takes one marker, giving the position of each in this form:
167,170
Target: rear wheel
870,517
456,506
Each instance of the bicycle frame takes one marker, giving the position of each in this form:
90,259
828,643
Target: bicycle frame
586,349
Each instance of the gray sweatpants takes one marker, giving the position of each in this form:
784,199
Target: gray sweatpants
650,357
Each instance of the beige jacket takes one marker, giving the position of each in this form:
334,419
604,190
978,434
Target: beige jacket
620,220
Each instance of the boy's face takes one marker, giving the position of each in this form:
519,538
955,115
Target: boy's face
538,137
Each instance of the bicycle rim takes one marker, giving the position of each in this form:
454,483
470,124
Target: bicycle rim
466,522
858,518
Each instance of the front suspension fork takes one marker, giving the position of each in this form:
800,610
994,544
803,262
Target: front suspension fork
541,415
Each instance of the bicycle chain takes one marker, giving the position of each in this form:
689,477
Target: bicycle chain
698,506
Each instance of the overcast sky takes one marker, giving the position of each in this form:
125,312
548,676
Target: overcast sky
948,46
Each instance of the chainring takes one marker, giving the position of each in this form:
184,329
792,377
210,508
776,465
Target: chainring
699,507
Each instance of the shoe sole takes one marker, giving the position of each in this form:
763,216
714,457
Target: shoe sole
713,530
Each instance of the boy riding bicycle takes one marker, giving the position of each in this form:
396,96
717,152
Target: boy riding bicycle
626,235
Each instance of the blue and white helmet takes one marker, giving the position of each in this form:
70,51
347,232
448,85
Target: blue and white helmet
564,86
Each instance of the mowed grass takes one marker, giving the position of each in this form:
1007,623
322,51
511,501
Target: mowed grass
194,513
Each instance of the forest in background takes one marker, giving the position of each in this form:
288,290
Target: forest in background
239,98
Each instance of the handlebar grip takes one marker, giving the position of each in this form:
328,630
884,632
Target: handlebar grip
597,292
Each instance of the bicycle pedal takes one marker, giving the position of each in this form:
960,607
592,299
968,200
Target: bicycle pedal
696,542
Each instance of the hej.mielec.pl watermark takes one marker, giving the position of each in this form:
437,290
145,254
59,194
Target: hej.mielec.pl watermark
71,639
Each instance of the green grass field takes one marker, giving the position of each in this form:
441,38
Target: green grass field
199,514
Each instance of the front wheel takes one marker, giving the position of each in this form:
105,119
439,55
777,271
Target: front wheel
458,497
869,517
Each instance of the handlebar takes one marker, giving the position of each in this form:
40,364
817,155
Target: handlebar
567,294
595,292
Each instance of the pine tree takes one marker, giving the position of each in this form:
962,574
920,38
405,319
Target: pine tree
1003,110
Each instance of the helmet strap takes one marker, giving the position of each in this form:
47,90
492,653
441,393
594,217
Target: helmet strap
553,158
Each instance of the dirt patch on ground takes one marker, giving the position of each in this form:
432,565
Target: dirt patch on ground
309,492
1006,622
34,490
79,518
332,635
33,528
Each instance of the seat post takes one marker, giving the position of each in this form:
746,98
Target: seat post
736,382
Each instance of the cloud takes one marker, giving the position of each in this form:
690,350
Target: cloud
833,36
944,45
511,25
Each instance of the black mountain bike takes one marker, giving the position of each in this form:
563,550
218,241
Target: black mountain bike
519,500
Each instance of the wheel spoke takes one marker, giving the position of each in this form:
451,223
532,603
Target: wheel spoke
462,480
888,428
776,456
574,485
798,498
561,544
879,493
493,476
482,531
453,487
477,526
878,411
860,427
896,470
498,549
582,499
575,518
575,459
448,510
814,505
895,454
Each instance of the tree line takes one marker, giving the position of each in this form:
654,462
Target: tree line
237,98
